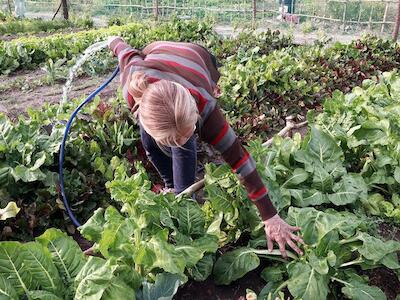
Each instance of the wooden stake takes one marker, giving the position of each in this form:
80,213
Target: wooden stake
384,17
254,13
65,9
397,25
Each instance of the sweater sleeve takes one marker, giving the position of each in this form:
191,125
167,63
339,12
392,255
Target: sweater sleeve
127,57
217,132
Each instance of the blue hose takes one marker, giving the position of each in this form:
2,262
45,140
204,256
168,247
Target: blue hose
62,147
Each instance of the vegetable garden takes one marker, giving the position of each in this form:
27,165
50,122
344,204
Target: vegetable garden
338,178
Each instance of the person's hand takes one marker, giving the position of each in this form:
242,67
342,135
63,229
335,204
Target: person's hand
282,233
111,39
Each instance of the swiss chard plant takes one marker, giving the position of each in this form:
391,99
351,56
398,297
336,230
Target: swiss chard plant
54,267
29,148
155,233
338,247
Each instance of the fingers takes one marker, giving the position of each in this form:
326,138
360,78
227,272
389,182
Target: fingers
294,228
297,238
281,244
270,244
294,246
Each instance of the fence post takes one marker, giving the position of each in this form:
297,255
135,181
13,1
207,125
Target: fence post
370,18
65,9
344,15
254,13
384,17
155,5
396,26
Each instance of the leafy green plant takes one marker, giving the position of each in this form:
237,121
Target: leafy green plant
54,267
28,52
337,246
158,232
29,160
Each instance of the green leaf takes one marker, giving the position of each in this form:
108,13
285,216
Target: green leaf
323,147
39,264
306,283
96,281
165,287
66,254
164,255
322,180
397,174
13,268
375,249
298,176
203,268
360,291
234,265
43,295
191,218
10,211
117,233
272,274
318,264
7,291
348,190
93,227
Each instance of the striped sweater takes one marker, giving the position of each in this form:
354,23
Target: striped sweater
191,66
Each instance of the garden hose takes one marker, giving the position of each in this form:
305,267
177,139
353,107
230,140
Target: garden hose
62,147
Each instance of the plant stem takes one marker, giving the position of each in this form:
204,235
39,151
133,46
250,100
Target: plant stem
351,240
275,252
353,262
339,280
282,286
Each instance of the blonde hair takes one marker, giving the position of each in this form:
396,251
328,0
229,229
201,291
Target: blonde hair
166,110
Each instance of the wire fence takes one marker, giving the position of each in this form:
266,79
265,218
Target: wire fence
373,15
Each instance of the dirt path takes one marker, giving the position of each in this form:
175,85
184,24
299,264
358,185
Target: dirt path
14,101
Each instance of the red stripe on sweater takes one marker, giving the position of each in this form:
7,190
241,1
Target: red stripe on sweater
221,134
178,65
254,196
241,162
202,102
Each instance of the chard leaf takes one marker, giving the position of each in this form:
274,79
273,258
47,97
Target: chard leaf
116,234
43,295
165,255
375,249
164,288
322,180
298,176
318,264
93,227
7,291
66,254
306,283
13,268
359,290
96,280
234,265
39,264
191,218
272,274
348,190
10,211
203,268
323,147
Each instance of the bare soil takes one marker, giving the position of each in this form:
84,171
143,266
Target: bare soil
15,101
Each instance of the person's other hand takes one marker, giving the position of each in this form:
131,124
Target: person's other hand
282,233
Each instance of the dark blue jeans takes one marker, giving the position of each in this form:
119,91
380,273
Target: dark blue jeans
176,166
